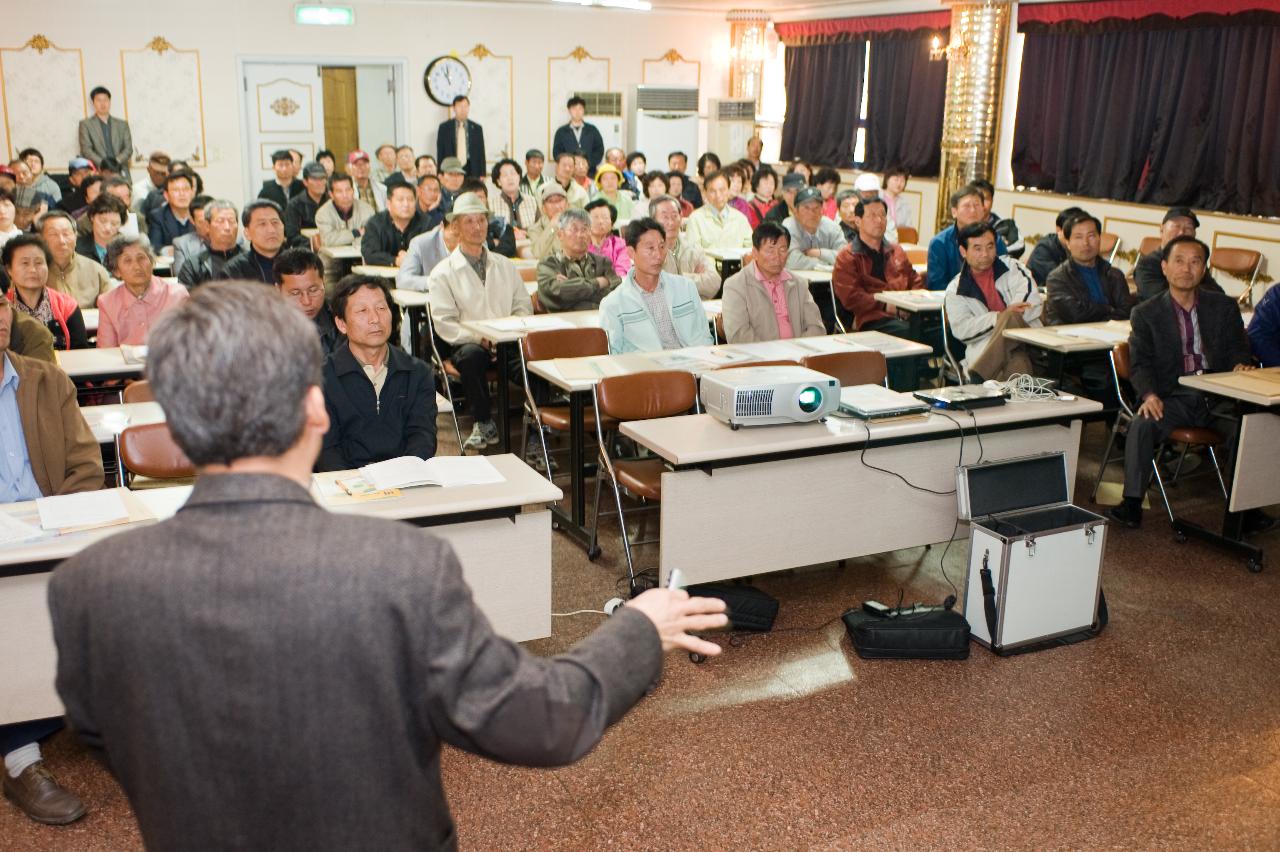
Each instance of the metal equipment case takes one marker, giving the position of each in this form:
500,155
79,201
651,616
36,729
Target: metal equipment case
1043,554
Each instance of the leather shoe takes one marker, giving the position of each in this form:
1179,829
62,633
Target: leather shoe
41,797
1127,513
1257,521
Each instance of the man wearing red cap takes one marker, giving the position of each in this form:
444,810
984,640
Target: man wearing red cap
370,191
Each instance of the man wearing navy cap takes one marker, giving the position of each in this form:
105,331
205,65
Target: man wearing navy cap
1147,274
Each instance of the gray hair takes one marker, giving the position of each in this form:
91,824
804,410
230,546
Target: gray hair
118,247
231,367
658,200
219,204
571,215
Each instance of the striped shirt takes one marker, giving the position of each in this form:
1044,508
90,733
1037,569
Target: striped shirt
1193,362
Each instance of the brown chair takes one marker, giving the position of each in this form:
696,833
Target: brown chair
917,256
537,303
1108,245
782,363
528,273
559,343
150,451
851,368
139,391
1244,264
639,396
908,235
1188,436
1148,245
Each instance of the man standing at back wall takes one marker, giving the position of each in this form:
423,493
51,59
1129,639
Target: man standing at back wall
462,138
579,135
103,136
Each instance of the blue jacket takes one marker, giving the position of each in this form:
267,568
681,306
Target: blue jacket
630,328
945,262
1264,329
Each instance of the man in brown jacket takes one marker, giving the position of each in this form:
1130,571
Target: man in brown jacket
47,449
764,301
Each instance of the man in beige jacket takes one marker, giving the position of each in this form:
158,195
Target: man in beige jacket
684,256
764,301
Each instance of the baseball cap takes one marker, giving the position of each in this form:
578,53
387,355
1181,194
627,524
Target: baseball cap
867,182
356,156
1180,213
467,204
549,189
808,194
795,180
314,170
452,166
78,163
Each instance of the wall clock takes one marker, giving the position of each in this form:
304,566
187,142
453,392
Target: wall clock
446,78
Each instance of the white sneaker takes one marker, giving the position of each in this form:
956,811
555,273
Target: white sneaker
490,431
477,439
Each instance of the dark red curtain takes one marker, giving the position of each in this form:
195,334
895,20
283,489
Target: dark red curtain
1169,116
824,88
906,98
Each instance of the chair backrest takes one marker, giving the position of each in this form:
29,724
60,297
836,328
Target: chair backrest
1120,360
528,273
149,450
1108,245
1239,262
778,363
537,303
1148,245
139,391
641,396
916,256
564,343
908,235
850,368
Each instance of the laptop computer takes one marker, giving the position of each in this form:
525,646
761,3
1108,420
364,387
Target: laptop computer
962,396
876,401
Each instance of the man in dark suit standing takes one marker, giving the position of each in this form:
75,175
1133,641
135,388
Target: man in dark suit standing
303,667
1183,331
578,135
462,138
102,136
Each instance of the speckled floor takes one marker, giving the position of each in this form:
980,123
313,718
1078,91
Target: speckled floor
1163,733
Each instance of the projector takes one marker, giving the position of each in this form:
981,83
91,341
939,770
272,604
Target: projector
762,396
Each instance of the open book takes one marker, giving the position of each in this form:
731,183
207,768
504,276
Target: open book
444,471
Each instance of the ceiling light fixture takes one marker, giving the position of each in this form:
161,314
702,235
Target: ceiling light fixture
634,5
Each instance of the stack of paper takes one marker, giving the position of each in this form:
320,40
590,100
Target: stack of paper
442,471
87,510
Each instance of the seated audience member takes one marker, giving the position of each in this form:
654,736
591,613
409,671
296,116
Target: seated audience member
197,182
707,163
341,220
28,202
69,272
737,178
542,233
425,164
386,167
1051,250
633,174
191,243
75,193
501,236
50,451
1006,229
425,253
676,182
763,301
902,209
299,276
474,283
148,192
431,200
604,241
372,192
284,186
1085,288
945,262
988,295
655,184
8,212
1180,332
800,167
715,225
792,184
28,337
264,228
381,400
867,186
221,247
615,157
300,212
815,239
763,184
374,616
609,187
40,179
164,224
827,181
651,309
326,158
1264,328
847,201
405,165
582,175
1147,274
573,191
684,256
126,314
131,225
387,234
534,179
452,175
514,204
572,278
26,261
678,163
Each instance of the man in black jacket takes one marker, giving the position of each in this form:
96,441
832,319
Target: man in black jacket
284,186
223,245
1085,288
300,212
462,138
1178,333
381,401
264,228
579,135
1147,274
1051,249
300,279
387,233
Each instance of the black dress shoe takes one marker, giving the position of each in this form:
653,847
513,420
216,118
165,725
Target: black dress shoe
1127,513
1257,521
41,797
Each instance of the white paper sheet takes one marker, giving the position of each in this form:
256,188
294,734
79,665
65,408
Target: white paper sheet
90,508
1102,335
13,530
444,471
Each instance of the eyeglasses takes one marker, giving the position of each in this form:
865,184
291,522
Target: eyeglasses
309,293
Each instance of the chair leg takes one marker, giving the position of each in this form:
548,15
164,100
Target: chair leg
453,409
622,527
1177,471
1106,460
594,547
1155,468
1217,469
546,456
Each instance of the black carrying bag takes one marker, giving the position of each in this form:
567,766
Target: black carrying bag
941,634
748,607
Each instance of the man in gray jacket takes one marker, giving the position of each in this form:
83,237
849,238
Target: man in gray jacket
303,667
815,239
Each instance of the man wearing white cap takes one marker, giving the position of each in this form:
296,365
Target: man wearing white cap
542,233
867,185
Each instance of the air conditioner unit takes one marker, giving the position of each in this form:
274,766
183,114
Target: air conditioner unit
730,123
663,119
604,110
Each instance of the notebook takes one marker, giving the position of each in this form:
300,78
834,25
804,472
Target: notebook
442,471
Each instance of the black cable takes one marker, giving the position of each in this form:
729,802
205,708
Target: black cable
981,450
862,456
942,563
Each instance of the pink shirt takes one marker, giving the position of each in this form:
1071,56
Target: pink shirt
777,290
614,248
123,318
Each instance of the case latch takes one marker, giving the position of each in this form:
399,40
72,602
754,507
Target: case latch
1031,546
1090,534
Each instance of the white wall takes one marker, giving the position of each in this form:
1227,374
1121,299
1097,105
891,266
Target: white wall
414,31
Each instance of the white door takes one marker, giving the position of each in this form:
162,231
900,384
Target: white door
284,106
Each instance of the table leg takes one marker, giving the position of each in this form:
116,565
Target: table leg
574,523
504,395
417,324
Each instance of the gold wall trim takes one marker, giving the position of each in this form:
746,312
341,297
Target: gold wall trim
481,53
671,57
159,45
39,43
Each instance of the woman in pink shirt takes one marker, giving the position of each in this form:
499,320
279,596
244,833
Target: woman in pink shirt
126,314
604,241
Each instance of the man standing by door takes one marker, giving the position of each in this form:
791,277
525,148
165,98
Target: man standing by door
462,138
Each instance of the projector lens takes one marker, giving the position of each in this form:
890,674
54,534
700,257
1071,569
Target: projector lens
810,400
